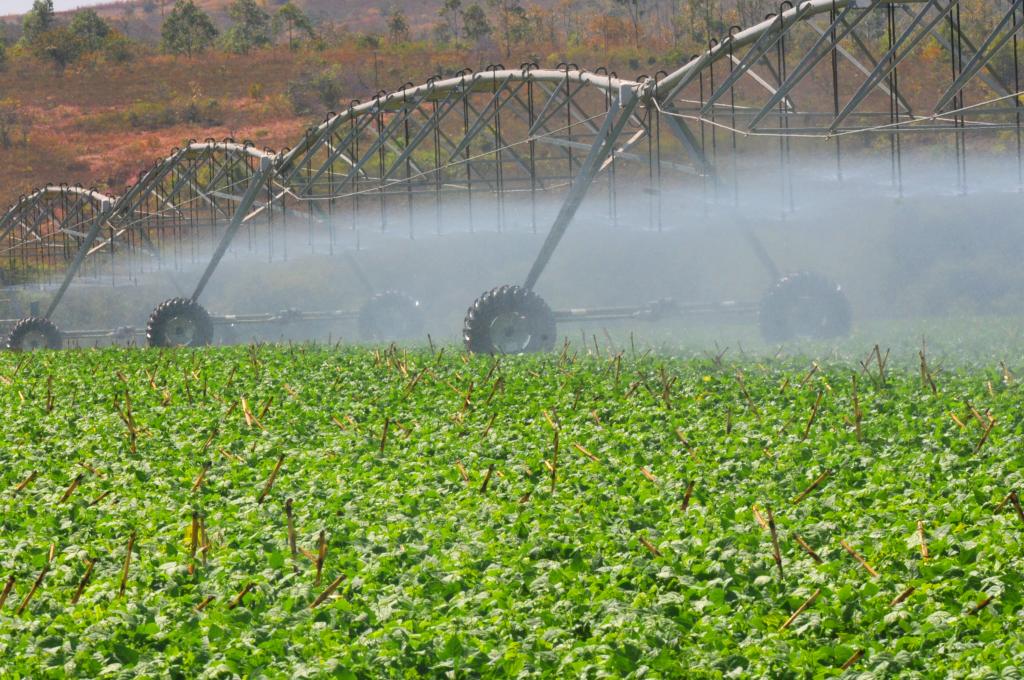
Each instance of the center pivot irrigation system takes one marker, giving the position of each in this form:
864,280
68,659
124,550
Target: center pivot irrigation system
476,143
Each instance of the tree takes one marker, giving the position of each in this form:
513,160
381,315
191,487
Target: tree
252,27
90,30
511,22
398,27
59,45
3,55
293,20
187,30
475,25
37,21
451,14
635,10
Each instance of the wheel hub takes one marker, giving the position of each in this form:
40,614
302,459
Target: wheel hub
511,333
180,330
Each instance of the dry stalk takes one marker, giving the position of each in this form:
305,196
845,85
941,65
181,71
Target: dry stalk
327,593
84,582
666,387
776,554
71,488
760,519
814,485
586,453
924,543
687,495
487,478
902,596
984,436
204,539
270,481
201,476
801,609
856,556
1007,374
193,542
241,594
291,527
127,564
810,374
35,586
854,658
807,549
814,414
1016,505
650,547
321,555
266,407
746,394
926,375
981,605
99,499
384,433
25,482
554,465
8,587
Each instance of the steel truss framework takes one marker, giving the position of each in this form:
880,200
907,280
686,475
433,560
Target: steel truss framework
808,76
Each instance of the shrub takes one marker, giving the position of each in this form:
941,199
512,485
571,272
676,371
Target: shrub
118,49
9,119
205,111
150,115
153,115
315,93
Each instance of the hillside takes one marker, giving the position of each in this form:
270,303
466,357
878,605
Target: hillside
102,119
100,124
142,18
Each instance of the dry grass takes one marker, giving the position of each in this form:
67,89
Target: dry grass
73,126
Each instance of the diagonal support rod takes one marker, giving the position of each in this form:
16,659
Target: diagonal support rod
821,49
98,221
618,116
900,50
766,42
257,184
984,54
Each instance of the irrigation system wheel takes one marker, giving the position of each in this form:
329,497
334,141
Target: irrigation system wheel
390,315
179,322
804,305
33,334
509,320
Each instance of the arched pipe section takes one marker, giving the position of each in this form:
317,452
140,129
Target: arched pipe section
8,221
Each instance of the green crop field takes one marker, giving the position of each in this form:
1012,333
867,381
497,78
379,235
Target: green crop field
320,512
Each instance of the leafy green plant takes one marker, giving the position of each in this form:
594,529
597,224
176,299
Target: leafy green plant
307,511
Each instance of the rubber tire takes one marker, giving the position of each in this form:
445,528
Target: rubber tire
155,328
389,302
54,338
476,328
793,292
